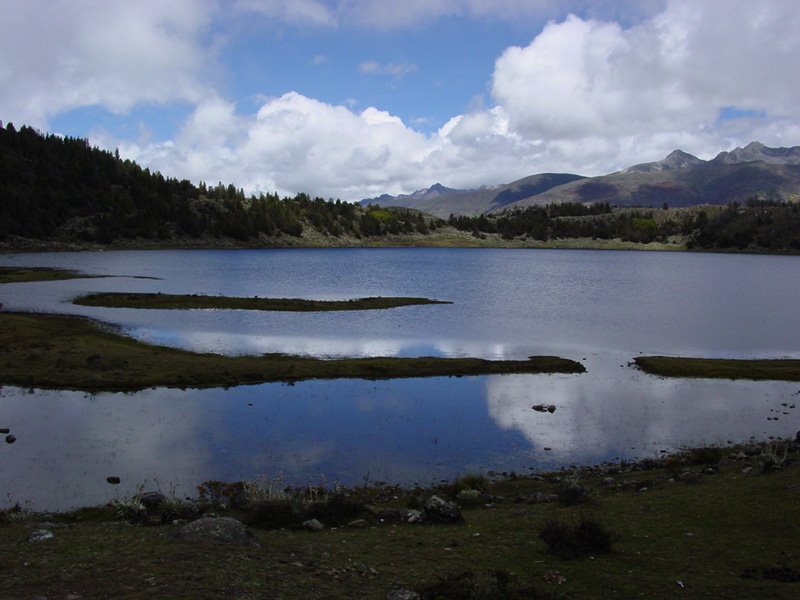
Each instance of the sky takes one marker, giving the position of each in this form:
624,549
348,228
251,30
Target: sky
351,99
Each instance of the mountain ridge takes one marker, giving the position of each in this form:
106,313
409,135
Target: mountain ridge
679,179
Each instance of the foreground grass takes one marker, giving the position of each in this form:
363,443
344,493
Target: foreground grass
60,352
195,301
757,369
680,529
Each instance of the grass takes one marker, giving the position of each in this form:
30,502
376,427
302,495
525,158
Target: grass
194,301
728,536
25,274
718,368
57,352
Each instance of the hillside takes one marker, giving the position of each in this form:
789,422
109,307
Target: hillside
443,202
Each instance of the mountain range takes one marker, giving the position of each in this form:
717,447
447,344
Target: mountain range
680,179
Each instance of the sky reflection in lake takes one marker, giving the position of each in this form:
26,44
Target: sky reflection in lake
602,308
403,431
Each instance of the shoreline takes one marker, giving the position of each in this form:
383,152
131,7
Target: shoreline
710,519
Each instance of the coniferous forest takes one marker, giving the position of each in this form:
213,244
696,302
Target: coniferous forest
61,189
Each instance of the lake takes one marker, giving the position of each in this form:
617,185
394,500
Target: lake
601,308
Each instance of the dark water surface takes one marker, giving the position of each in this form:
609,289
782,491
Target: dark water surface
602,308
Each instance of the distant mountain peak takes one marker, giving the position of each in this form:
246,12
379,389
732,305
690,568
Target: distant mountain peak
677,159
756,151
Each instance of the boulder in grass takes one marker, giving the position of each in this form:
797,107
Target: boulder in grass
437,510
220,529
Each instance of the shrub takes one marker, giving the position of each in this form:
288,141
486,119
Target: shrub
705,456
470,481
132,510
174,508
575,540
499,585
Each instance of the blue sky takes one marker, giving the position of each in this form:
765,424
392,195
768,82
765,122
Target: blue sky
354,98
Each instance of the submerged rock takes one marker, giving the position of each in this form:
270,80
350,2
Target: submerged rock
113,479
550,408
220,529
10,439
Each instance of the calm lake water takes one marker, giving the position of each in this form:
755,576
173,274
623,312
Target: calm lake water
601,308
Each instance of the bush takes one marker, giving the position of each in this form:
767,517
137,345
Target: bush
499,585
705,456
575,540
470,481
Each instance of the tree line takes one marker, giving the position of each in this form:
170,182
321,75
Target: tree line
61,188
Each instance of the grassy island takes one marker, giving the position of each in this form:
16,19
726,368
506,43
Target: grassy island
25,274
196,301
61,352
719,368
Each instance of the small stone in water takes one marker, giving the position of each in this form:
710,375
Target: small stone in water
113,479
10,439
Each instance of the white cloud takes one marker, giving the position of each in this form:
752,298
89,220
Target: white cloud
398,70
59,55
303,12
660,83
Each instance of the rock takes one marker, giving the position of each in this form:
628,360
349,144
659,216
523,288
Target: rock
313,525
440,511
113,479
151,499
220,529
10,439
608,481
550,408
403,595
358,524
40,535
689,476
414,516
5,430
746,470
392,515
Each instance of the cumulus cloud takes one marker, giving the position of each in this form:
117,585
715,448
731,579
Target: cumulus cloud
657,84
60,55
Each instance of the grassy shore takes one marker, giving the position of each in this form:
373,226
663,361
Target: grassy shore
195,301
713,523
756,369
72,353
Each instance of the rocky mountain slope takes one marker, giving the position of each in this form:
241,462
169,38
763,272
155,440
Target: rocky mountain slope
680,179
